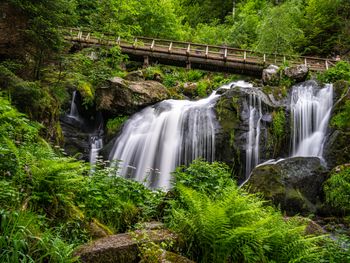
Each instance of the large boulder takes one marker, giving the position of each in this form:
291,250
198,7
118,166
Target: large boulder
127,97
297,73
270,75
295,183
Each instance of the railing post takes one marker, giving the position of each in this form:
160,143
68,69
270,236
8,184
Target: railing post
80,34
88,36
264,58
170,47
327,65
284,59
145,61
245,56
206,51
275,58
305,62
225,54
152,45
135,41
118,40
188,49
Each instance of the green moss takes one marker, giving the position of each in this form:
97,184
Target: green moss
202,88
278,124
113,125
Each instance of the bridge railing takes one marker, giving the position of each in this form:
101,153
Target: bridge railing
196,50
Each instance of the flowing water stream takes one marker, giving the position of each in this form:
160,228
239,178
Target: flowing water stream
310,109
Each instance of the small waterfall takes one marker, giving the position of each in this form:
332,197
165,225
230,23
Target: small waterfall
311,110
252,147
161,137
74,114
96,146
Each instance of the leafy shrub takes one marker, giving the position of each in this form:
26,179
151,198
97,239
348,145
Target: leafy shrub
337,188
194,75
169,80
202,88
278,124
203,176
341,71
117,202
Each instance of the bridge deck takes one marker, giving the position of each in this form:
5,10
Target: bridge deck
208,57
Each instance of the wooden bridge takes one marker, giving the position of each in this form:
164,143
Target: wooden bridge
191,55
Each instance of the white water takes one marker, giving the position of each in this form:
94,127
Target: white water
96,146
74,114
159,138
252,146
311,110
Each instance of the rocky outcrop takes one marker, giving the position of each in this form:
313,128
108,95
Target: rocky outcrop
337,148
127,97
121,247
270,75
295,183
297,73
232,111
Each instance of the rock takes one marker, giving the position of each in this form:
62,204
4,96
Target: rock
190,89
98,230
127,97
270,75
294,183
121,247
337,148
297,73
232,111
135,76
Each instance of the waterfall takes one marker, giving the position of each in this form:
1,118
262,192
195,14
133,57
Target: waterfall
310,110
96,146
252,146
74,114
156,140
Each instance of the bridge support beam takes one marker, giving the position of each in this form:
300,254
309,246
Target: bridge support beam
145,61
188,65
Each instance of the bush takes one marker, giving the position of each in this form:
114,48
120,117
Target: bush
341,119
337,188
202,176
341,71
113,125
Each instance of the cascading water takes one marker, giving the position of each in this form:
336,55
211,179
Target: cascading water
252,147
74,114
96,146
311,110
161,137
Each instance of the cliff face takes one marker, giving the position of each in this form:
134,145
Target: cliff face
12,24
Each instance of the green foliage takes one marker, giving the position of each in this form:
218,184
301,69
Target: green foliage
342,119
278,124
114,125
203,176
21,240
117,202
337,188
235,226
202,88
341,71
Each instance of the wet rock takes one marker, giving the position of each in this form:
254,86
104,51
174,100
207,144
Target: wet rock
190,89
337,148
127,97
295,183
270,75
297,73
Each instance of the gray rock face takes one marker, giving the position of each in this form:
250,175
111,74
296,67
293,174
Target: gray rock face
270,75
135,76
294,183
127,97
297,73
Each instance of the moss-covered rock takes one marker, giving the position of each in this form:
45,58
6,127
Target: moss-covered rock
295,183
121,96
